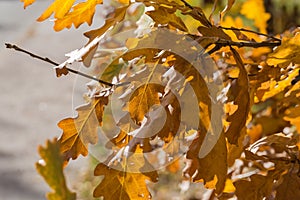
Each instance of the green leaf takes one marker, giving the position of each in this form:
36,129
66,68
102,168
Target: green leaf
51,169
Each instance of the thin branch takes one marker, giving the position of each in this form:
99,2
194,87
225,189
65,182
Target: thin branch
187,4
222,43
250,31
11,46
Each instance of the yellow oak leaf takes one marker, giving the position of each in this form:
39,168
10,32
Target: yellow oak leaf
236,35
142,100
273,87
255,10
51,169
293,116
124,1
288,52
163,16
81,13
80,131
229,187
59,7
122,184
27,2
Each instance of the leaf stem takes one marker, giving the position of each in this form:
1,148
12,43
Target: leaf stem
12,46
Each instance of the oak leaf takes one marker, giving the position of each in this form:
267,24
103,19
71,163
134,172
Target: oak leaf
59,7
163,16
51,168
80,131
289,188
288,52
227,7
27,2
212,169
293,116
142,100
258,188
241,98
255,10
86,53
122,184
273,87
82,12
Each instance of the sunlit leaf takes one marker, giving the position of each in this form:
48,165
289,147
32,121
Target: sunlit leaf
122,184
212,169
81,13
255,10
80,131
293,116
142,100
59,7
27,2
163,16
51,168
288,52
228,6
273,87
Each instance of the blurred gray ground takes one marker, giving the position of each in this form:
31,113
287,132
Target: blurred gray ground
32,99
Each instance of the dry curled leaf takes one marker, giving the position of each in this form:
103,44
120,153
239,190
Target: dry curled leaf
241,99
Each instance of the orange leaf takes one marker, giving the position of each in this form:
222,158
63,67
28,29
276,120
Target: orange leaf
163,16
122,184
80,131
288,52
27,2
255,10
59,7
81,13
142,99
293,116
212,168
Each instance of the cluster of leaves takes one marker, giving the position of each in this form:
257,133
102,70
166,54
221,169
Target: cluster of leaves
256,153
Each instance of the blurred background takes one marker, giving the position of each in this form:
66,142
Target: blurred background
33,100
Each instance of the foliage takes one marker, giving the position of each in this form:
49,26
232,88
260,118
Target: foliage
51,168
240,138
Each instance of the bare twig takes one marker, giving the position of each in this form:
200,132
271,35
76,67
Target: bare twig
250,31
222,43
11,46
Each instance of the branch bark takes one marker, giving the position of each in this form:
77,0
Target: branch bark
45,59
